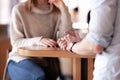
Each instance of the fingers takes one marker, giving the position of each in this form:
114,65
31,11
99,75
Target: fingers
51,1
77,37
68,38
72,33
49,44
74,36
62,43
45,42
65,42
57,3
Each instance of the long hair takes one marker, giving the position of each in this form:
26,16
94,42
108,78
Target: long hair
29,5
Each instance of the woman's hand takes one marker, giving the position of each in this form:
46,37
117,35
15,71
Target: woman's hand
57,3
46,42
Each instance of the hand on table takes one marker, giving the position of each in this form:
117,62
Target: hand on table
66,42
47,42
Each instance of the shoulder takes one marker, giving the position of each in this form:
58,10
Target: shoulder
19,7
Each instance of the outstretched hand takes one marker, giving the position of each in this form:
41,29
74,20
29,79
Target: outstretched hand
73,36
66,41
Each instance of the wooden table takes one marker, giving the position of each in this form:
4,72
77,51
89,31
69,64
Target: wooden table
36,51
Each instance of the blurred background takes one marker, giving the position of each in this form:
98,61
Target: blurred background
79,15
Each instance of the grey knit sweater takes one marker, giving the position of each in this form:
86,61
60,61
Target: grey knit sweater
26,29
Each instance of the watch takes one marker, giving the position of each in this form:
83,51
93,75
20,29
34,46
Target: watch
71,46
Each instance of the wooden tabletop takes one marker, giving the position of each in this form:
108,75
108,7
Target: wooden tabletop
36,51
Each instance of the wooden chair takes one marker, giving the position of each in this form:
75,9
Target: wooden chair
5,74
52,52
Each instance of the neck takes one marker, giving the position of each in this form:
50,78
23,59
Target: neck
42,2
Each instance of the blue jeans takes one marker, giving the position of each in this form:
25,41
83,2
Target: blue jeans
25,70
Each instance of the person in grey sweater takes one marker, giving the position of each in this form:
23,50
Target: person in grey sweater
36,23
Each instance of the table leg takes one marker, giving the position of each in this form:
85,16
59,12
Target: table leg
76,68
90,68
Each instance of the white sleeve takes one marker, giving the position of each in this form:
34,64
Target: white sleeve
102,17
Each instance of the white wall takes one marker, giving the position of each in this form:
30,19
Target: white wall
84,7
4,12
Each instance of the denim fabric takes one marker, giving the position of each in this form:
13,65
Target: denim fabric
25,70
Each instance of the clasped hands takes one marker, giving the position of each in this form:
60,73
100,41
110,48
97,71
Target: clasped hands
64,42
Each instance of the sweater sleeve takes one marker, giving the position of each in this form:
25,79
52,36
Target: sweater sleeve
65,22
17,36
